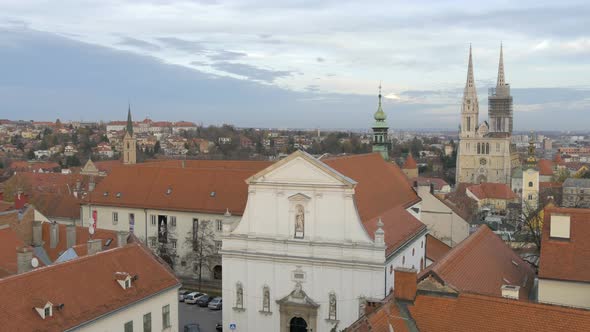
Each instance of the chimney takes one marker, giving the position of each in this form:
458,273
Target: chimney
380,234
37,234
510,292
94,246
24,256
53,235
122,238
71,235
405,284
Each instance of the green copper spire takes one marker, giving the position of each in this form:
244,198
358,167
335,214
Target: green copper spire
129,128
380,115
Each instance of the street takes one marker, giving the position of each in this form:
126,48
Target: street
192,313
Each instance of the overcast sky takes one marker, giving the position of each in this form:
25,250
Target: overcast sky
298,63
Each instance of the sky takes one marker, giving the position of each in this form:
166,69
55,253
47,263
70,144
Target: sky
292,63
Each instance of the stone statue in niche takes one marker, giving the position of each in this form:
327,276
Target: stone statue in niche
332,307
299,221
266,300
239,297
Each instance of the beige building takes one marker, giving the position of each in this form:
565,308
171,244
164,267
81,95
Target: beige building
485,152
564,270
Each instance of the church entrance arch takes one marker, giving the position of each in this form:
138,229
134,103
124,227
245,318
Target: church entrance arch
297,324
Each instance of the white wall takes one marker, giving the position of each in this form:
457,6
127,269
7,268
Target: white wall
442,222
568,293
409,257
135,312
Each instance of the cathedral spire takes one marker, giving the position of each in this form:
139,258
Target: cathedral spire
470,84
501,80
129,122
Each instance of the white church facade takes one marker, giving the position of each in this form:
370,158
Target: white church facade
317,241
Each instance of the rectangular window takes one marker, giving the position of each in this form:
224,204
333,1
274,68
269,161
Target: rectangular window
115,218
129,326
219,225
153,242
217,246
173,221
468,123
173,241
153,219
166,316
131,222
147,322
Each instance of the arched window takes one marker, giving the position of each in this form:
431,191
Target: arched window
266,299
422,244
478,148
487,148
530,183
403,260
422,263
390,269
413,251
239,296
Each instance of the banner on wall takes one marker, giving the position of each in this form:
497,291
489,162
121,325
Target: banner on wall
94,218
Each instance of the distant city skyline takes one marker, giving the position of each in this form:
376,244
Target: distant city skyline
292,64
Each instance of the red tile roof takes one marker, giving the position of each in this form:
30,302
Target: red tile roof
9,242
82,237
382,191
380,320
470,312
214,189
85,286
435,248
481,264
25,166
545,167
492,191
410,163
562,259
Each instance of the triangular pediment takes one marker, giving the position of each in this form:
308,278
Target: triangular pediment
300,168
298,297
299,197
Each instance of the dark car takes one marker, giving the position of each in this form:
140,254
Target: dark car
193,327
219,327
204,300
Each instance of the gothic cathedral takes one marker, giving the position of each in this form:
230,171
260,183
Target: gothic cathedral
485,151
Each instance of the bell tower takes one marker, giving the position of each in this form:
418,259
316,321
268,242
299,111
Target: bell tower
129,142
380,131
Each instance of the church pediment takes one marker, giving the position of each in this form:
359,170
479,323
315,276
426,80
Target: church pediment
300,168
299,197
298,297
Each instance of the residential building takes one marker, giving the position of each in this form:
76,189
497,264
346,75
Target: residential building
576,193
485,152
442,220
494,196
289,263
564,271
423,309
410,167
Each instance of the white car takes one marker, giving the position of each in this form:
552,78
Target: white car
192,297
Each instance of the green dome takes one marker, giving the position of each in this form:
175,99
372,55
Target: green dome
380,115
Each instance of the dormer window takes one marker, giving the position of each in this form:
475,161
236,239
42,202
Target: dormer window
43,308
124,279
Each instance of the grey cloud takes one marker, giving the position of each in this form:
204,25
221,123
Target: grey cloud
138,43
320,59
251,72
222,55
182,44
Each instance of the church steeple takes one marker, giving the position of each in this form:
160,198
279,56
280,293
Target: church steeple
531,159
501,80
470,106
380,129
129,127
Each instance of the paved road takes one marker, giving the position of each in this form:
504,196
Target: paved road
192,313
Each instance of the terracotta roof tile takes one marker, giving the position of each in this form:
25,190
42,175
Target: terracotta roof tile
562,259
492,191
481,264
435,248
410,163
93,280
9,242
545,167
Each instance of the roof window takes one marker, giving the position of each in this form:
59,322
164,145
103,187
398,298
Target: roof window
124,279
106,193
119,195
43,308
169,191
212,194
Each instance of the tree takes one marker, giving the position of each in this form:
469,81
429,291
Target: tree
203,247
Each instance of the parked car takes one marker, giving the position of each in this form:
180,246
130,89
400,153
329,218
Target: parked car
192,297
219,327
192,327
204,300
182,294
215,304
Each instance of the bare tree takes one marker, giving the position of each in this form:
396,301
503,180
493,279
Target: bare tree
203,247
